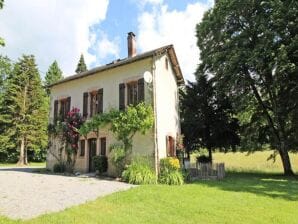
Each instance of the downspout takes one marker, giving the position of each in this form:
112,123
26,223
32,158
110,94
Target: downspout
156,151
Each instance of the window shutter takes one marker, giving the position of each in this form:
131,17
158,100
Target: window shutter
103,146
141,91
121,96
85,105
55,110
68,103
168,145
100,101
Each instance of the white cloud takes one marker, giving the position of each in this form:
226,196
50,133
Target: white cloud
106,47
161,26
51,29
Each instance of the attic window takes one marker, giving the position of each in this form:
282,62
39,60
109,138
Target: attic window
167,63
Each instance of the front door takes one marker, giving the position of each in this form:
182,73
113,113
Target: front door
92,152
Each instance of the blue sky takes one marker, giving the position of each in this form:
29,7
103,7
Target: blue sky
57,30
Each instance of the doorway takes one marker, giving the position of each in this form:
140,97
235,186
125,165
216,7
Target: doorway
92,153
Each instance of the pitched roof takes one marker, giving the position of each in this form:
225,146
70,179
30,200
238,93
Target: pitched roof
159,51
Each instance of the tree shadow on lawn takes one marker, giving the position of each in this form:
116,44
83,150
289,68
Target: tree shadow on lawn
265,184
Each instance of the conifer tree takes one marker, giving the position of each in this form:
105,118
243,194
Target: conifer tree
53,75
1,39
24,112
207,117
81,67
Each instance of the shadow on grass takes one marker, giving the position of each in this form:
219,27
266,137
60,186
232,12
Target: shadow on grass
264,184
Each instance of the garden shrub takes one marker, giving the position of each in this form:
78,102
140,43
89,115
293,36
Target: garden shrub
171,163
59,168
139,172
118,157
170,172
173,177
100,163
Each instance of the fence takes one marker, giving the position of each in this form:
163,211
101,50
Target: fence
206,171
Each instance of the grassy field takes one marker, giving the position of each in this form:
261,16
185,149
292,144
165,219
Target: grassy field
254,162
242,197
31,164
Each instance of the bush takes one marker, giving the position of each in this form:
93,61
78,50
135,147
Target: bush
59,168
139,172
100,163
170,172
171,163
171,177
118,157
203,159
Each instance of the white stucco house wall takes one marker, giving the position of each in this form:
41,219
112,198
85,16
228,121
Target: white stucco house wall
115,85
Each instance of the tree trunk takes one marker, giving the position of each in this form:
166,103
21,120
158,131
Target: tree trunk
284,155
21,161
210,154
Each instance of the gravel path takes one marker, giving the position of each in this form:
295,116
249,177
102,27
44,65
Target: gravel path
24,194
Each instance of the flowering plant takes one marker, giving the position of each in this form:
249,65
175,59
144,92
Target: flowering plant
170,163
72,123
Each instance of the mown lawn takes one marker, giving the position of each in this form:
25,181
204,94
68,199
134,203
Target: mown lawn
242,197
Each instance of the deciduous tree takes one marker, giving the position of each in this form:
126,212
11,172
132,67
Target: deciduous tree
250,47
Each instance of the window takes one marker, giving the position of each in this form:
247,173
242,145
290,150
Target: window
63,106
63,110
132,93
170,142
103,146
93,103
135,93
82,148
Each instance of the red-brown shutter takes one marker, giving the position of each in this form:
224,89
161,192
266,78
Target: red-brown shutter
141,90
100,101
121,96
55,110
85,105
68,103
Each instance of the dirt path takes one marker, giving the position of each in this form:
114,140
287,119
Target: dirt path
24,194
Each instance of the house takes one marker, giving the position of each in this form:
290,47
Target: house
153,77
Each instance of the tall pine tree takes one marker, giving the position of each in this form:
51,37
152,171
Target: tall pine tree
53,75
81,67
5,71
1,39
24,110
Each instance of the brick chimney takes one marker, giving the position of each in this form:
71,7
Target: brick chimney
131,44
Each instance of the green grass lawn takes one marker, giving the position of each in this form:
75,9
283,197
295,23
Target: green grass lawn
31,164
242,197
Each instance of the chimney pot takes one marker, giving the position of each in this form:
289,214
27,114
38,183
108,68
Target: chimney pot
131,45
